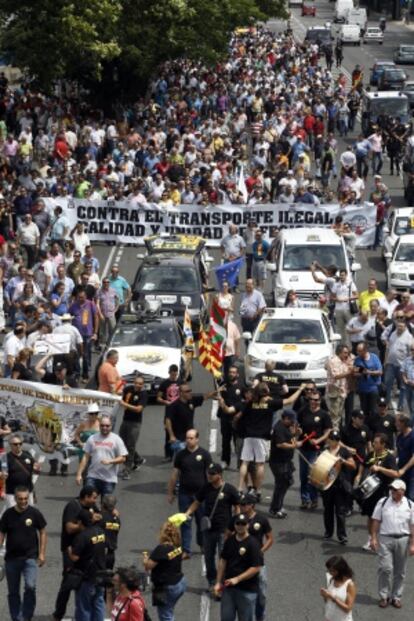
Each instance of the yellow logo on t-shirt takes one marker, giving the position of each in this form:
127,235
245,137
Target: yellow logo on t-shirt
174,553
242,551
28,522
98,539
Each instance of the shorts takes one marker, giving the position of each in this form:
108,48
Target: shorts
254,449
259,270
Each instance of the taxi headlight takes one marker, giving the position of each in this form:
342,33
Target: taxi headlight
186,300
399,276
255,362
319,363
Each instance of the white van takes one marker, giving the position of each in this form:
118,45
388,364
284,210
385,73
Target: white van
358,17
350,33
341,9
295,250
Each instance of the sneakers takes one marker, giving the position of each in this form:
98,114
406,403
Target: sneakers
367,546
327,536
140,462
314,504
343,541
125,476
306,504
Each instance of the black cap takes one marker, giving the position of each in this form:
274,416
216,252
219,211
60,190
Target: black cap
241,519
290,414
382,401
215,469
248,499
357,414
335,435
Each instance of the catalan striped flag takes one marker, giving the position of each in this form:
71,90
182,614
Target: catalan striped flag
188,332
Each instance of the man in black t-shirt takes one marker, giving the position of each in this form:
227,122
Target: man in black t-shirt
71,526
259,528
218,499
316,426
20,469
276,382
167,393
87,553
356,437
24,529
111,525
230,404
382,422
239,566
282,447
134,399
190,469
180,416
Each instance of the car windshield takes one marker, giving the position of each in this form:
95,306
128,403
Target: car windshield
407,49
403,226
394,74
168,279
393,106
405,253
409,87
299,258
290,331
157,334
314,35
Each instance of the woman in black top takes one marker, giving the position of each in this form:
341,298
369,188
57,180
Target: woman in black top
164,562
21,369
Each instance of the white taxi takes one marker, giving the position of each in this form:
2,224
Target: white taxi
294,251
299,340
400,222
400,264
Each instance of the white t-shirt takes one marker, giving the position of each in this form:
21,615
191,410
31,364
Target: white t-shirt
12,346
101,447
29,234
343,290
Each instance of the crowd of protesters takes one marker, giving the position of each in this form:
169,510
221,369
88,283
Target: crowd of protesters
262,127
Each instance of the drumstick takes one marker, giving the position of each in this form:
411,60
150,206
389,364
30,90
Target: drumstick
359,458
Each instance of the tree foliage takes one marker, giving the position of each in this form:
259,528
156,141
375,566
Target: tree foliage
87,39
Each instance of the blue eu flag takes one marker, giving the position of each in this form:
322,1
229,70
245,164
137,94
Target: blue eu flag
228,272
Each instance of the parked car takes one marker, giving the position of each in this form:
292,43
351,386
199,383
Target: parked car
308,9
319,33
377,69
400,264
350,33
373,34
409,91
404,55
392,79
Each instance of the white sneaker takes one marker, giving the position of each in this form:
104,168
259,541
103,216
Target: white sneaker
367,546
224,465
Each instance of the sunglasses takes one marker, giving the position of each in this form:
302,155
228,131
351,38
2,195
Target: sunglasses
315,400
16,443
104,426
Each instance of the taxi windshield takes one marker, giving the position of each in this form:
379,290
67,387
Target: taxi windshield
405,253
156,334
299,258
290,331
168,279
403,226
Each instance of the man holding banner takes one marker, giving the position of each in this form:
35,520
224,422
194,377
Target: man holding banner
233,247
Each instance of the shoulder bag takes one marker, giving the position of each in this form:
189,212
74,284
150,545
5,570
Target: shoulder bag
205,522
353,306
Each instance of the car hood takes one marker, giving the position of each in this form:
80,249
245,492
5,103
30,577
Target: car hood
299,352
402,266
147,359
192,300
299,281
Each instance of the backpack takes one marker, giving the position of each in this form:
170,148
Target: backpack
147,616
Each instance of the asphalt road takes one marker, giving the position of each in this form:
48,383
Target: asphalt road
296,561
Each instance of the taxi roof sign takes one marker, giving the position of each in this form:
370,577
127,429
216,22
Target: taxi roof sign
189,244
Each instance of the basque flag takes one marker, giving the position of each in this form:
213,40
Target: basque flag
228,272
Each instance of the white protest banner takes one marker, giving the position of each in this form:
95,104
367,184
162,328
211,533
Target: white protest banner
52,344
47,416
119,221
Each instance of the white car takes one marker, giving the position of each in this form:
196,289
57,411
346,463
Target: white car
299,340
294,251
373,34
400,222
400,268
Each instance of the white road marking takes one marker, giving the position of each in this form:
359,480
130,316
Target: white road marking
214,410
203,566
109,261
212,445
205,607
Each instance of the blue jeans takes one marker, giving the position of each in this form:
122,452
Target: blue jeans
213,542
409,395
376,162
87,356
184,501
103,487
408,478
261,595
89,602
307,491
15,569
174,592
392,373
237,603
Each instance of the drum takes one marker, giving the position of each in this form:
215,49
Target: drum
324,471
369,486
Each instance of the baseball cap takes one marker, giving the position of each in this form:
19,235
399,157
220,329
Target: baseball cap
214,469
382,401
66,317
357,414
93,408
398,484
241,519
290,414
248,499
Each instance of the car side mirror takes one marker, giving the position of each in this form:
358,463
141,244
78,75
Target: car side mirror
355,267
247,336
387,255
336,337
140,256
272,267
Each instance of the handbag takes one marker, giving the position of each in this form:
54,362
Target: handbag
73,579
205,522
353,306
159,596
